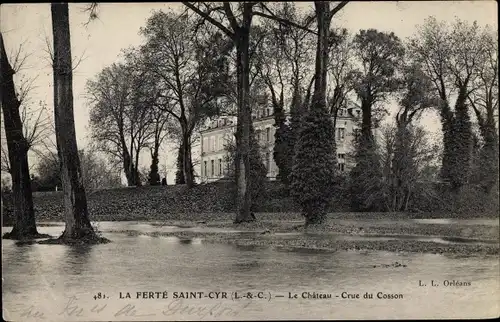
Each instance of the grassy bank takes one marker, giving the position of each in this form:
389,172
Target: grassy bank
279,222
213,201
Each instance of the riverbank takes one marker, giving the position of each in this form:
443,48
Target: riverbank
475,237
206,212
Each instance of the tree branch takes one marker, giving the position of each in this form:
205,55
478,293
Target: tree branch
230,16
283,21
337,8
210,19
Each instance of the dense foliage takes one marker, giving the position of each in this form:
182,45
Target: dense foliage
314,166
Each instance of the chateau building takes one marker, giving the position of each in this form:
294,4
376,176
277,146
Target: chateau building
219,135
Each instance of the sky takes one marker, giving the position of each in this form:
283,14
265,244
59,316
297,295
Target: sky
100,43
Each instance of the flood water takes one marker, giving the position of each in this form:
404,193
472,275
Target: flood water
58,283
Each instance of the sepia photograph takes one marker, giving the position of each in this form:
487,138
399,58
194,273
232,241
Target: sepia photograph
228,161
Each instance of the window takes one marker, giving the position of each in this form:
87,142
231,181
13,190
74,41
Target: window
205,144
341,156
220,167
205,169
212,163
268,134
341,166
268,162
340,134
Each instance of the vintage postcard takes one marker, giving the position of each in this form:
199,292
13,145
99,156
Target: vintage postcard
249,160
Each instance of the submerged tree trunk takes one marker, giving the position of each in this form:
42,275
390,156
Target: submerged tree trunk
78,225
24,215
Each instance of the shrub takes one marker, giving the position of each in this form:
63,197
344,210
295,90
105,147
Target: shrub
314,164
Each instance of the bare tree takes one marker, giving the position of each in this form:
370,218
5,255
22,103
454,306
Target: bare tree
120,115
75,200
36,123
187,73
96,172
405,175
24,224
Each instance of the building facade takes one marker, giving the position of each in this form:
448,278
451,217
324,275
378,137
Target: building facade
218,137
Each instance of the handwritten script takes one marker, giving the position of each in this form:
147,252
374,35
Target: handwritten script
178,308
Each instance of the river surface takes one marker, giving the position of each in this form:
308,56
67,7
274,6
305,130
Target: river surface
58,283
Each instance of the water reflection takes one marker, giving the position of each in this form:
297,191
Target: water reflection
78,259
447,221
43,275
248,248
185,241
247,265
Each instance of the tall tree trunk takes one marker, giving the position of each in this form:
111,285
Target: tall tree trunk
137,176
75,200
154,176
317,215
324,19
186,158
24,224
401,165
457,142
243,178
179,174
127,164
